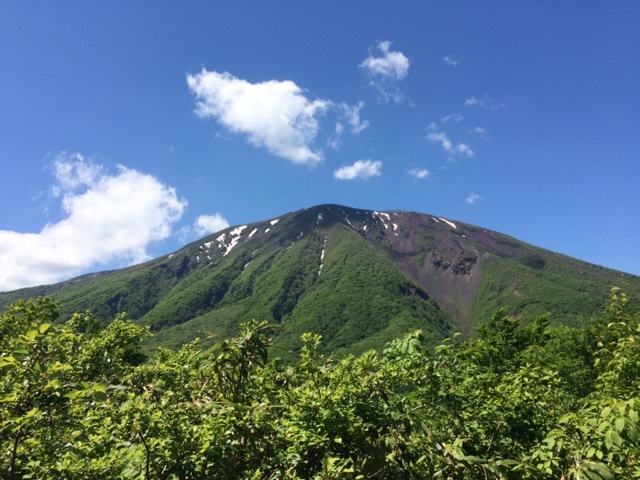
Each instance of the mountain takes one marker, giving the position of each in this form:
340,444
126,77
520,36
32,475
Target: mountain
359,278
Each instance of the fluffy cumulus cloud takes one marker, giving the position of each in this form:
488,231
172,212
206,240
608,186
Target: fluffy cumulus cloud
448,146
206,224
274,114
360,169
419,173
107,217
386,70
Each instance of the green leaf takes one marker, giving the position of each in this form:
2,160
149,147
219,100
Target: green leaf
55,383
43,328
99,396
74,394
608,439
619,424
601,470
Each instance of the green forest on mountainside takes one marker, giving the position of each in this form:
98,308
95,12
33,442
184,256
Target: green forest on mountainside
78,400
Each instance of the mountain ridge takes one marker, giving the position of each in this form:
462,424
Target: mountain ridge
359,277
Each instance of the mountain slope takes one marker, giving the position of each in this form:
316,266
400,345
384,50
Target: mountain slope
358,277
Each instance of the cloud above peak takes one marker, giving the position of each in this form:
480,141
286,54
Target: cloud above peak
107,217
360,169
386,70
274,114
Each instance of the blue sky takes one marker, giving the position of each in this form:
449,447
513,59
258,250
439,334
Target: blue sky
128,129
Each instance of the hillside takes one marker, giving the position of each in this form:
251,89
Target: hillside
359,278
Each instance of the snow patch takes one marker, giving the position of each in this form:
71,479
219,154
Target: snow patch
273,222
319,218
395,227
253,232
448,222
324,244
237,231
235,238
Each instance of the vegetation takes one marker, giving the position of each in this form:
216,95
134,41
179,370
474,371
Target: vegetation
359,278
521,401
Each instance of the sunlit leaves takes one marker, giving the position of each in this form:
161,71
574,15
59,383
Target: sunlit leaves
79,401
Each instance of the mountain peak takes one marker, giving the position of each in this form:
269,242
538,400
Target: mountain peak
358,277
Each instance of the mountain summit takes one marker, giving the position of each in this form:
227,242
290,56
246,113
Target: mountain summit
358,277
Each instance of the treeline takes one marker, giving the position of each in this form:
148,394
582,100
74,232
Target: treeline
79,401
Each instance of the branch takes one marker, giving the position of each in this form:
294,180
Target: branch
146,467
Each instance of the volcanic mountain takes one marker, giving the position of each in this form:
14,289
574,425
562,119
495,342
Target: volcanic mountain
358,277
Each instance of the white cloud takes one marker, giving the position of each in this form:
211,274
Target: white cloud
419,173
484,101
442,138
352,116
453,62
464,150
206,224
274,114
109,217
481,132
448,146
454,117
360,169
386,70
473,198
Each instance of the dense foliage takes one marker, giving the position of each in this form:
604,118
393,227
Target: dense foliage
79,401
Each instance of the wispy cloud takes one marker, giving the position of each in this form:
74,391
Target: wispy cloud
274,114
485,101
108,217
451,61
352,115
349,114
360,169
454,117
448,146
385,71
481,132
472,198
419,173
